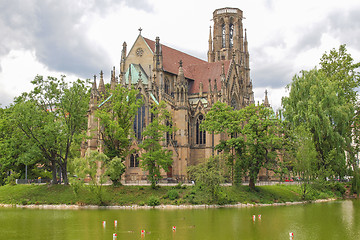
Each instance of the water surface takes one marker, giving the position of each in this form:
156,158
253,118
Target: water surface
332,220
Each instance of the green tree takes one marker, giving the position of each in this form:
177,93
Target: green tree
323,102
155,156
117,119
93,167
53,118
253,134
115,170
208,176
305,160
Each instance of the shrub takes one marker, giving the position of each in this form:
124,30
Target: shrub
224,198
11,180
178,186
172,194
153,201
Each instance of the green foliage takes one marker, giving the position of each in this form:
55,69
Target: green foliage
115,170
323,102
306,158
155,156
93,167
51,119
76,185
153,201
253,135
128,195
207,176
172,194
11,179
355,182
117,118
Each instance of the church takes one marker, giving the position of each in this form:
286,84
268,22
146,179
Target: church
188,85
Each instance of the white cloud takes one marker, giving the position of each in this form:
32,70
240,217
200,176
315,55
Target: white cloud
52,37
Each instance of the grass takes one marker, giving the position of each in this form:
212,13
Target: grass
145,195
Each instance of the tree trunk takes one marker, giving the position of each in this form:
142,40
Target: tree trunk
252,183
53,170
64,173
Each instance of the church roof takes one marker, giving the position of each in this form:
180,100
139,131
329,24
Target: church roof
194,68
203,72
133,71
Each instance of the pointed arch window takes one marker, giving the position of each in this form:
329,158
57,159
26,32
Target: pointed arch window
231,38
223,33
139,121
233,103
200,134
169,136
134,160
167,86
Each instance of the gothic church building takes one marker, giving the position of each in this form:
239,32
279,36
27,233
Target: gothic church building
188,85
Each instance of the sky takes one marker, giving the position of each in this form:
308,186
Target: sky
79,38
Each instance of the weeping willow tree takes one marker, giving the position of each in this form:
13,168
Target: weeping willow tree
323,102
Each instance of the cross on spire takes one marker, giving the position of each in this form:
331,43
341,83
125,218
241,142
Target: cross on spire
140,29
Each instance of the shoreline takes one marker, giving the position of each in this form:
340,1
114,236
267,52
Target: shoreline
169,207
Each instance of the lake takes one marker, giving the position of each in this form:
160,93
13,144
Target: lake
330,220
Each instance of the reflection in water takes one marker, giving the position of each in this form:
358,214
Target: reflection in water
347,208
333,220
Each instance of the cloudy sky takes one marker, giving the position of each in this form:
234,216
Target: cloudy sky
78,38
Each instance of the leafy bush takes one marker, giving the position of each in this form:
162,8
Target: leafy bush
153,201
223,198
11,180
172,194
178,186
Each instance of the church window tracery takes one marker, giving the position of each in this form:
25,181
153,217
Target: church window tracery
167,86
231,38
200,134
134,160
169,136
223,33
139,121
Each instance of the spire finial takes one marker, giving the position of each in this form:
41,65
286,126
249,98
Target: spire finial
180,63
140,29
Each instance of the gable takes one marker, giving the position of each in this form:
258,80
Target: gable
141,54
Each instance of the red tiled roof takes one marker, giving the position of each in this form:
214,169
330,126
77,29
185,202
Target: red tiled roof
194,68
204,72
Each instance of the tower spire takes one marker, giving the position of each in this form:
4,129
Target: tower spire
266,101
210,52
101,84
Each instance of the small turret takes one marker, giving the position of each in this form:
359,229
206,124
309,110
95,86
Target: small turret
158,58
181,77
210,52
123,58
113,82
266,101
101,88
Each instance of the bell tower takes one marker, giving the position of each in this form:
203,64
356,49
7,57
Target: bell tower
228,38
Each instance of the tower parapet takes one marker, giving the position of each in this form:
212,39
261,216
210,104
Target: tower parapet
227,35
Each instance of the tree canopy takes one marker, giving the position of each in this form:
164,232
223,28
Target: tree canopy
49,120
253,134
117,119
323,102
155,156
